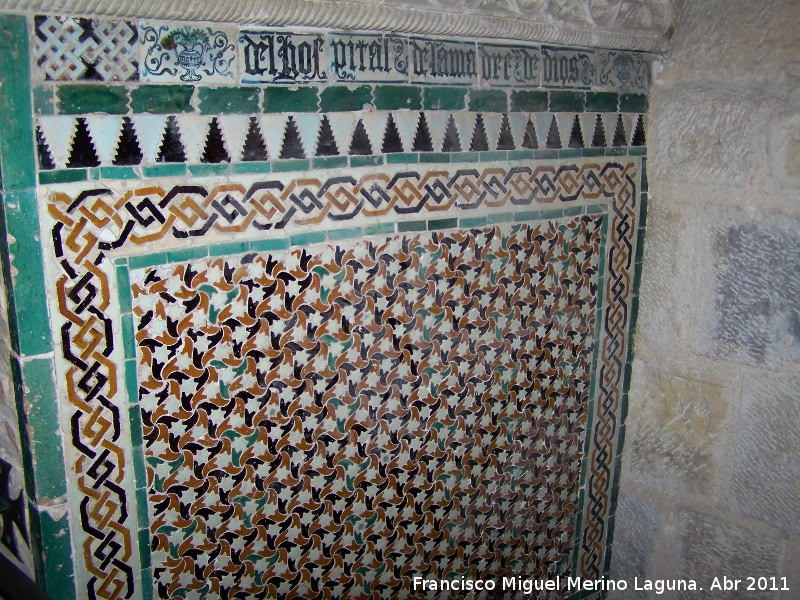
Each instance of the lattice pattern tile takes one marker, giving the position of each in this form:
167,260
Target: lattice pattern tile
326,421
75,49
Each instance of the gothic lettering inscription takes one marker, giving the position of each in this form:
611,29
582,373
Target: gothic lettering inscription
563,68
509,65
368,58
437,61
282,57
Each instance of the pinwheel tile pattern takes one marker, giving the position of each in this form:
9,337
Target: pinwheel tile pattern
328,422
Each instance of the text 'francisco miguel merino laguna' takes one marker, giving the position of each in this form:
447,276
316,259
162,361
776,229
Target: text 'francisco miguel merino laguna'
569,584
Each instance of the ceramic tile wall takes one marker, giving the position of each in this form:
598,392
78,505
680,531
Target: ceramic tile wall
318,311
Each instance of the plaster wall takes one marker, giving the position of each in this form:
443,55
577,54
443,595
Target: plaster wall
710,473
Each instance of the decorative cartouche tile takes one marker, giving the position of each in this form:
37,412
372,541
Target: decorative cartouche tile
368,58
442,62
566,68
282,56
338,408
187,53
623,71
509,66
76,49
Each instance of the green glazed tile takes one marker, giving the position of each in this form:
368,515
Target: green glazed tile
379,229
500,218
252,167
29,292
473,222
132,387
343,98
464,157
229,249
80,99
144,550
124,287
162,99
17,154
540,154
187,254
228,100
393,97
329,162
44,102
134,417
593,209
279,99
493,156
139,468
305,239
444,98
525,101
573,211
637,150
637,103
208,169
147,260
141,507
434,157
528,215
345,234
488,101
645,184
147,580
410,226
118,173
365,161
601,101
292,164
593,152
269,245
62,176
42,416
563,101
520,154
94,173
165,170
434,224
128,341
402,158
616,151
58,564
570,152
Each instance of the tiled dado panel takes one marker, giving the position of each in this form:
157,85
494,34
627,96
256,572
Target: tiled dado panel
440,399
311,340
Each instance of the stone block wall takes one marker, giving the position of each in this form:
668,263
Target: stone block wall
710,484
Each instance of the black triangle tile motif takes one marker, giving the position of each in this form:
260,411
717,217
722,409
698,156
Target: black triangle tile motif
46,162
254,146
82,152
599,135
292,144
505,140
529,139
452,142
214,151
326,143
479,141
128,152
639,138
620,139
422,139
576,135
360,144
553,136
391,137
171,149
